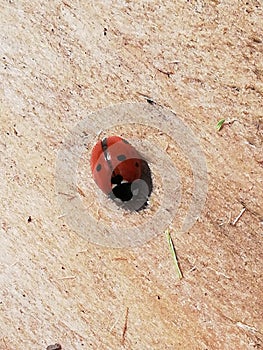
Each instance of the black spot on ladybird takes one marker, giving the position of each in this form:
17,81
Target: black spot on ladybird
137,164
98,167
121,157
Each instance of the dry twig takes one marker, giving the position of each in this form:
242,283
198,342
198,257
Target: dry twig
125,327
238,217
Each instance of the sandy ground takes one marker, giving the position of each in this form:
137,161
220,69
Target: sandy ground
61,61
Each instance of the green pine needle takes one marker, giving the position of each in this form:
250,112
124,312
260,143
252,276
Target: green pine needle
171,245
220,124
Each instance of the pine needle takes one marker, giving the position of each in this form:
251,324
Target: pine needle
171,245
220,124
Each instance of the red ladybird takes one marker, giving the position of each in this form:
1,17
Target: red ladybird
115,162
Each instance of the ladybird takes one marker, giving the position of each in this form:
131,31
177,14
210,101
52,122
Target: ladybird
115,165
